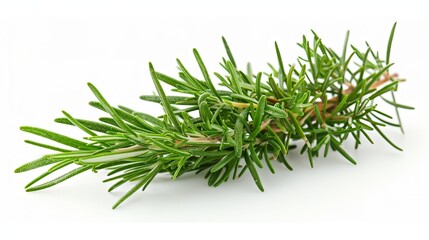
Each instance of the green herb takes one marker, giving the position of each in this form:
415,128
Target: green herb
248,121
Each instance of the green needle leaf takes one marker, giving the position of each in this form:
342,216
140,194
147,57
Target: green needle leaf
258,85
164,101
59,179
228,52
298,128
340,106
179,100
336,146
53,169
146,117
225,160
36,164
398,105
385,137
389,44
282,73
390,87
50,159
57,137
254,156
95,126
180,164
78,124
46,146
276,112
253,172
174,82
139,185
110,110
206,74
238,134
165,147
260,111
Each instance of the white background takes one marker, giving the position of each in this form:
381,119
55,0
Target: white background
50,49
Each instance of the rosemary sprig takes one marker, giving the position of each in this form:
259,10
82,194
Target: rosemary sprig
249,120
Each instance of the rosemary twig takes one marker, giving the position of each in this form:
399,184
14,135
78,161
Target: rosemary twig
251,119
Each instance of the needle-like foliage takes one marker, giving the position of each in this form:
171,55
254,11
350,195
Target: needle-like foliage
241,125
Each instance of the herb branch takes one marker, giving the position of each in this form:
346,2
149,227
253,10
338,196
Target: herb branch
240,126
